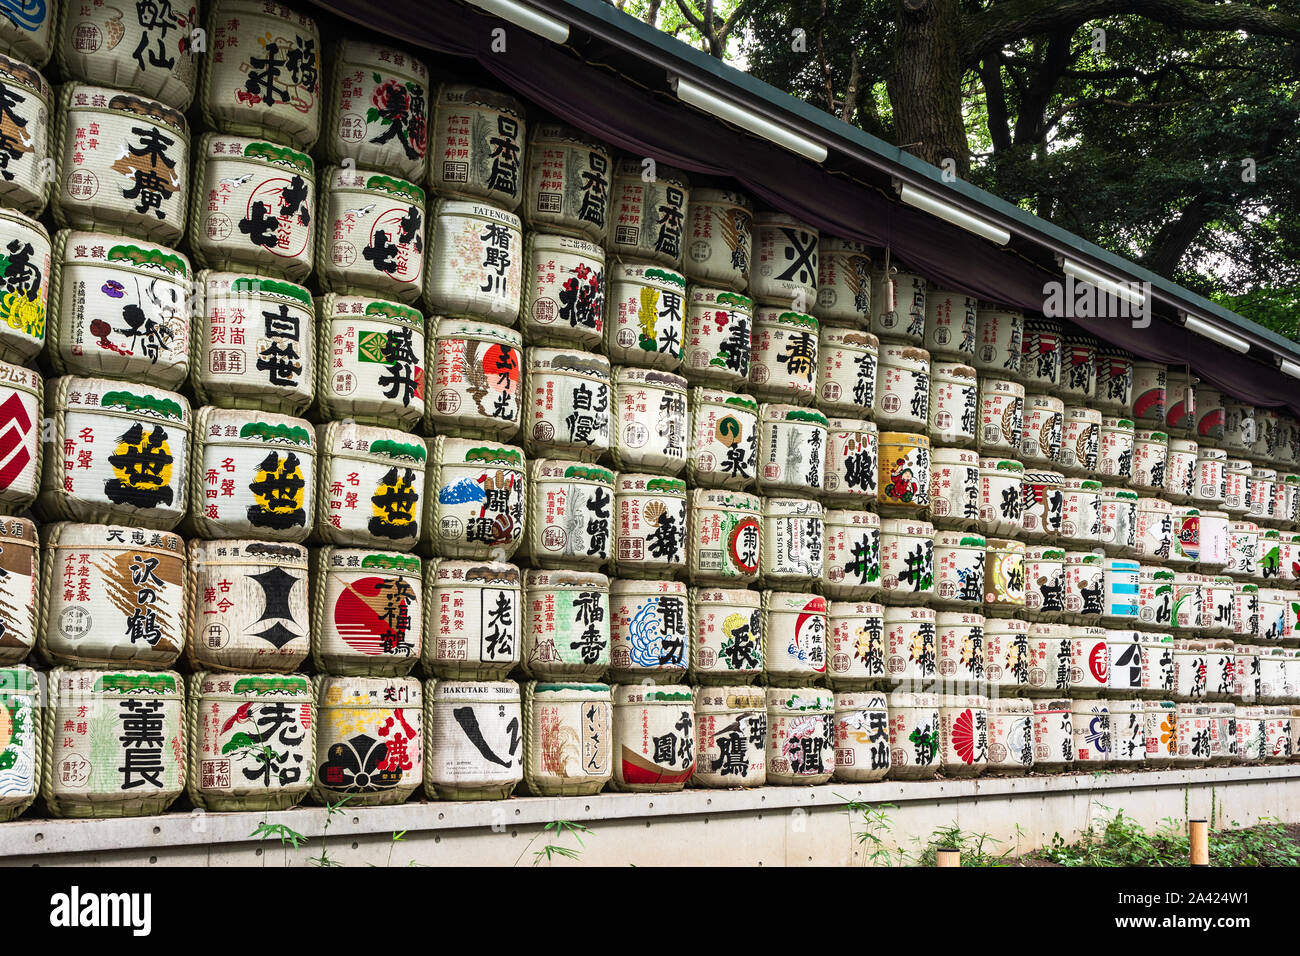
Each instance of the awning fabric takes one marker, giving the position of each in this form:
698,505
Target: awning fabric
599,100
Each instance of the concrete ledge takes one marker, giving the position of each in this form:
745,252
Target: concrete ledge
994,805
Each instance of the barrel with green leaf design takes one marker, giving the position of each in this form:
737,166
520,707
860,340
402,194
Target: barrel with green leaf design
371,361
21,744
370,485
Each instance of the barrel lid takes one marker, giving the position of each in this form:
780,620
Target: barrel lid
960,619
907,527
568,360
364,559
354,51
953,370
256,686
661,276
223,147
1045,400
800,700
462,94
729,197
16,529
477,451
342,179
114,397
628,375
1011,705
1002,464
80,97
792,506
118,682
742,597
1010,625
72,534
218,285
849,338
229,426
650,484
674,695
791,601
556,469
583,580
559,691
900,698
475,573
854,609
540,241
1049,629
1044,552
851,425
713,396
636,586
711,296
896,614
351,440
780,316
954,701
851,518
959,539
774,412
728,500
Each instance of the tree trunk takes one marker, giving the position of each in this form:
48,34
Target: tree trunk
924,82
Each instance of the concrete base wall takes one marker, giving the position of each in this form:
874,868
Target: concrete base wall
771,826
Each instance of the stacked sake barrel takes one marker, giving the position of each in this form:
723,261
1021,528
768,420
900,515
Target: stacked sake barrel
568,472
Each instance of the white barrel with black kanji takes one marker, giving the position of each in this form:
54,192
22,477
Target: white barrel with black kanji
370,743
20,598
950,324
367,617
726,635
650,533
474,498
370,485
793,541
568,182
476,369
650,201
846,372
564,286
370,361
851,565
473,614
570,519
715,350
377,108
898,306
783,356
913,735
654,737
794,638
567,738
649,641
477,145
370,235
254,207
843,283
856,646
26,285
852,462
719,240
475,261
568,412
800,735
731,733
25,156
645,320
566,624
722,447
791,450
473,739
249,604
649,425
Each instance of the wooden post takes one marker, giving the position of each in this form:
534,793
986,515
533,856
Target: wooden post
947,857
1199,837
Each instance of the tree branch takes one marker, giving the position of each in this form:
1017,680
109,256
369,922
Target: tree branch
995,98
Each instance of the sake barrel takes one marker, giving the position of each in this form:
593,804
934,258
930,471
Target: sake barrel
564,292
954,487
726,635
911,645
1191,670
1120,577
783,356
1268,436
959,568
1001,496
725,531
1272,675
1081,511
1245,611
794,635
719,240
913,735
1238,427
1214,539
251,740
1243,549
476,388
1193,735
861,736
1155,528
22,747
800,736
377,109
1118,520
851,565
566,624
251,476
950,324
1080,441
249,603
1209,412
846,372
124,164
569,521
791,450
476,145
654,734
1223,734
844,283
143,286
962,650
1114,384
1149,393
1044,424
27,158
1125,649
907,561
1287,506
567,738
1050,653
649,427
473,741
266,88
1053,736
1090,725
568,182
715,350
904,485
1288,451
1044,581
852,464
115,742
1250,735
254,205
857,645
793,541
370,744
254,344
1044,504
1004,577
1220,604
26,285
1289,557
371,364
1079,368
1236,487
651,205
475,263
1160,728
1221,678
998,336
137,470
1115,449
370,485
19,607
1007,655
898,306
475,494
568,404
1278,724
1273,610
650,536
954,405
1211,464
731,733
1011,735
1040,354
472,619
1263,494
1270,553
786,262
1085,585
370,240
21,399
366,612
964,734
903,388
29,33
1180,477
722,449
1157,664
